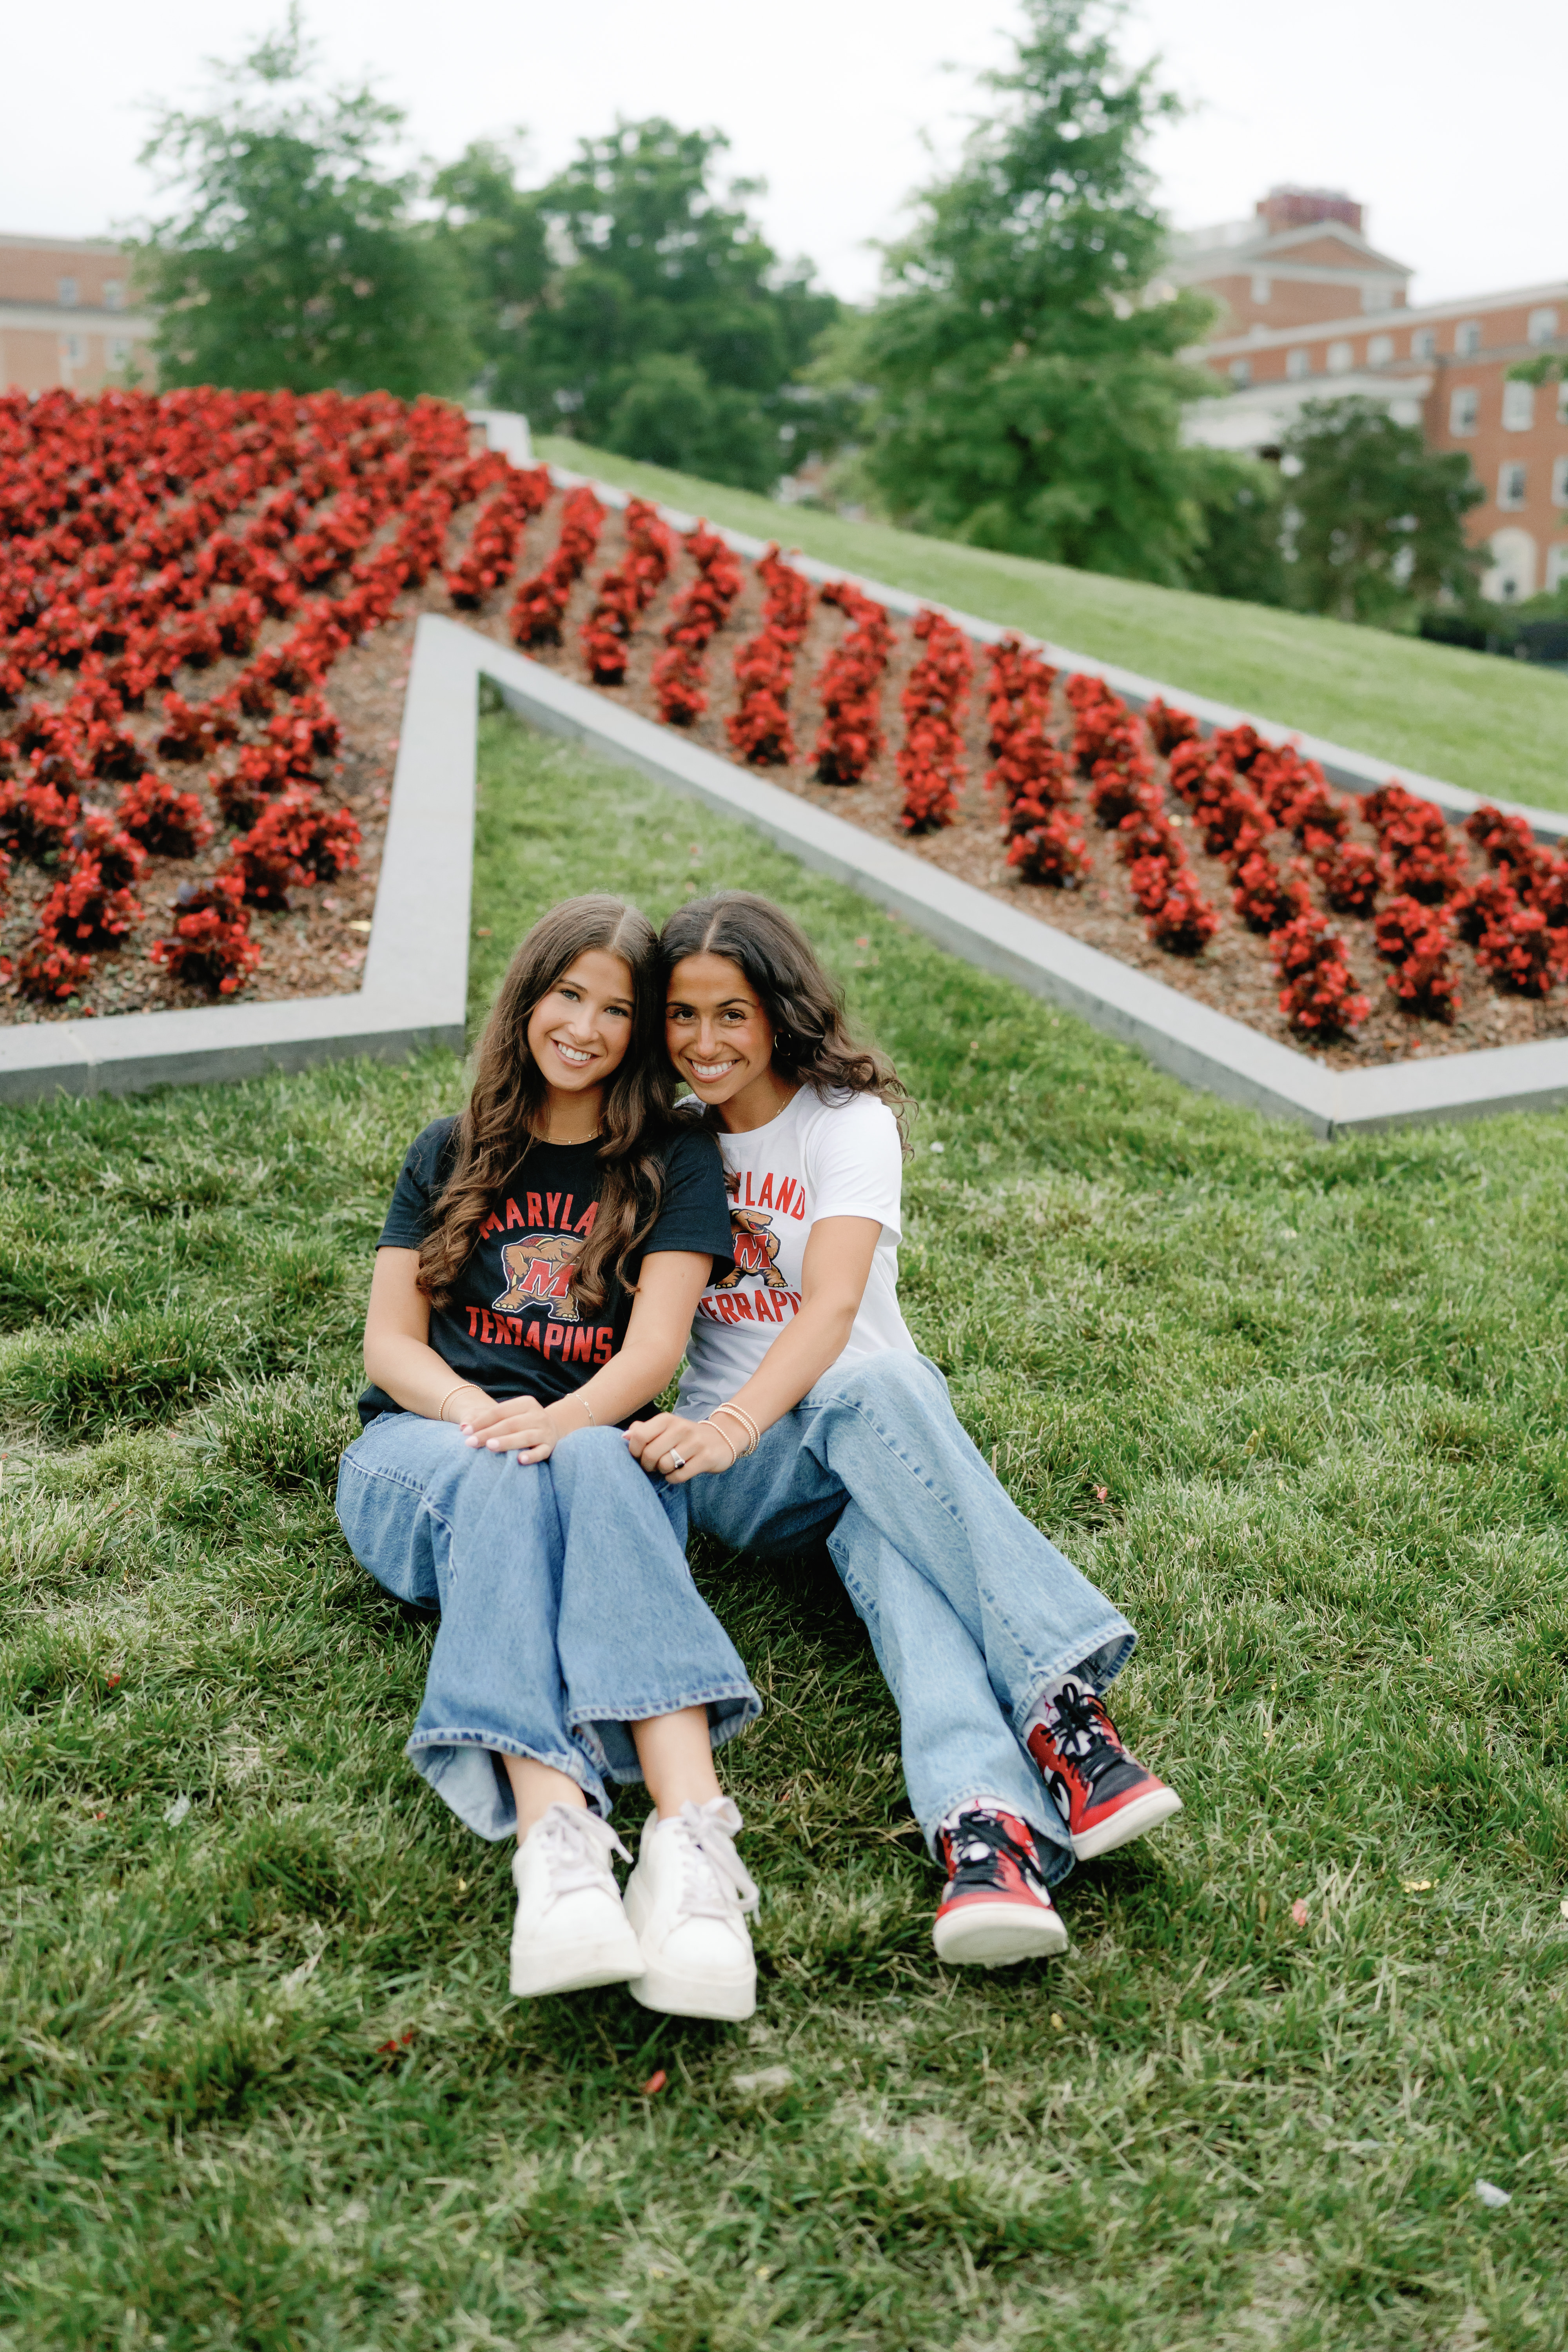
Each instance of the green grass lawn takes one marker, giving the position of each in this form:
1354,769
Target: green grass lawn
264,2086
1495,727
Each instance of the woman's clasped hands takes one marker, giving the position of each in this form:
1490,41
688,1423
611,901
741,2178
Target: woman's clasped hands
519,1425
670,1446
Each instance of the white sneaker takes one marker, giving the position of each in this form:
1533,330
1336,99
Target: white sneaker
570,1930
685,1899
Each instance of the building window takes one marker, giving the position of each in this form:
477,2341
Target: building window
1298,361
114,294
1342,359
1557,567
1261,289
1377,298
1424,344
1464,410
73,350
1542,326
118,351
1468,339
1518,407
1379,350
1511,486
1560,482
1562,400
1241,372
67,293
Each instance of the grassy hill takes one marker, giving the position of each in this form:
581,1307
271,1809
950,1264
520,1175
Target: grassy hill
1494,727
1297,1406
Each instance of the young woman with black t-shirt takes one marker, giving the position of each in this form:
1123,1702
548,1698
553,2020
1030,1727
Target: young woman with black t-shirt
534,1284
806,1410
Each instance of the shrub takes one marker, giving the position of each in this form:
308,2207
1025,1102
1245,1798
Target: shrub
1045,845
1266,899
1349,879
211,946
164,820
1415,939
1320,997
849,689
1522,952
1169,727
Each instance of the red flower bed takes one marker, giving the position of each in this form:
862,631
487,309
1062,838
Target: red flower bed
849,689
764,667
931,766
626,592
492,547
540,601
699,613
144,537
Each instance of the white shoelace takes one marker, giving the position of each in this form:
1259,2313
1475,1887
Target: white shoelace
577,1847
716,1882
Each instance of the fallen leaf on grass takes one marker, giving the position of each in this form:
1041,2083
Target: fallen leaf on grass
1299,1912
1491,2195
175,1813
655,2082
1102,1493
1418,1885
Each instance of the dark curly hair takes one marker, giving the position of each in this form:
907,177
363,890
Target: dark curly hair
812,1043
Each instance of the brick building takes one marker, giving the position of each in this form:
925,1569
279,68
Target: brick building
1284,338
63,316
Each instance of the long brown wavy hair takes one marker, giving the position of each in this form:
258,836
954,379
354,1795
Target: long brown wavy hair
505,1109
812,1043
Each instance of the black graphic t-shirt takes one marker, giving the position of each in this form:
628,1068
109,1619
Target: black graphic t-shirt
514,1325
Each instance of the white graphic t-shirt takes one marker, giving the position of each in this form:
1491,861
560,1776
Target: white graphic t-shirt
817,1159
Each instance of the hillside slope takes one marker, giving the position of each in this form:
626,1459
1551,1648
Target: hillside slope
1494,727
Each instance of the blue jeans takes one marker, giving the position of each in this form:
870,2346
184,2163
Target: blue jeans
971,1613
567,1609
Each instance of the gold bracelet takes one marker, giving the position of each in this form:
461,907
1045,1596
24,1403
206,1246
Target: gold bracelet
445,1400
744,1418
713,1424
593,1416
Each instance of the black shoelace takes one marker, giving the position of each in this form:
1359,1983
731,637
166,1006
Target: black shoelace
978,1844
1083,1733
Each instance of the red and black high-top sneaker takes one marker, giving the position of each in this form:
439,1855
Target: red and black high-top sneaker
1103,1794
995,1907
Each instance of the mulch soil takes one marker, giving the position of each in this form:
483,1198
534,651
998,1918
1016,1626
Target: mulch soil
317,947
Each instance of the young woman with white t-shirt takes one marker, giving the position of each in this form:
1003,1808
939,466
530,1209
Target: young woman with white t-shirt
807,1411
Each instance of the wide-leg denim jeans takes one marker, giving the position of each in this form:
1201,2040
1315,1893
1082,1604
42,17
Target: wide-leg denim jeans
971,1610
567,1609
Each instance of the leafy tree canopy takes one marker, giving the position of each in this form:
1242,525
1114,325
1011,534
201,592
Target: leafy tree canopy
291,256
1379,518
637,305
1028,389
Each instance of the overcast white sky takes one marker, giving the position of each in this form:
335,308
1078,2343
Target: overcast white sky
1448,123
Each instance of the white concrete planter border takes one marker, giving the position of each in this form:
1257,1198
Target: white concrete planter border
415,974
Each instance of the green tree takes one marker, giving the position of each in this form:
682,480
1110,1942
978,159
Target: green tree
1028,388
496,232
662,324
292,255
1378,519
1237,549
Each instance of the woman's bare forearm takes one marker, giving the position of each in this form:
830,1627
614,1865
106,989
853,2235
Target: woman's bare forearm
811,1344
420,1380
